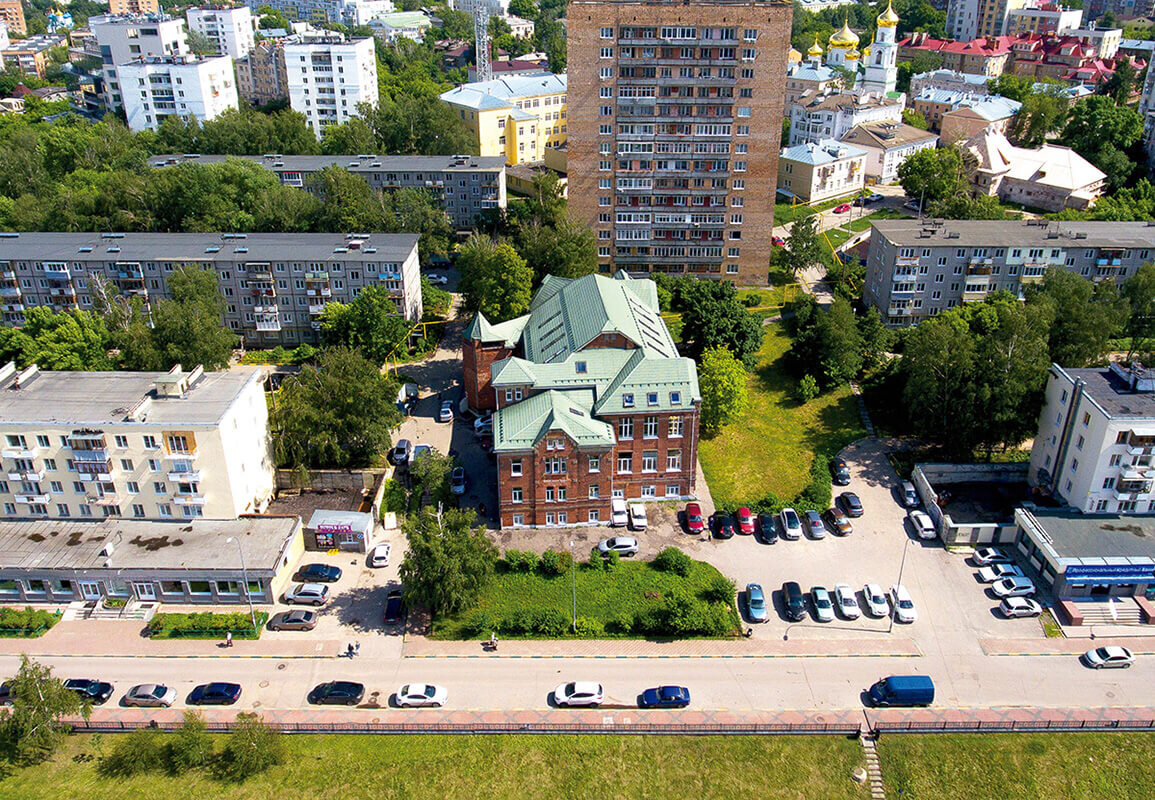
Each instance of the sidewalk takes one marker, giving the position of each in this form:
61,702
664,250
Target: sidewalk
1139,645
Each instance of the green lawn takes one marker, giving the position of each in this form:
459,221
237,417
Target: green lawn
771,447
1060,766
469,767
632,587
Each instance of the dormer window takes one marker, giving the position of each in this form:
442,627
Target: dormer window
627,401
652,399
580,367
675,398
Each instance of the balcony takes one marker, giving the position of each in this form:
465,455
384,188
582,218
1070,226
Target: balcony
95,470
269,322
8,274
34,477
188,476
906,275
20,452
10,291
14,308
1133,449
316,308
66,292
320,292
57,272
189,499
108,499
34,498
1130,474
315,325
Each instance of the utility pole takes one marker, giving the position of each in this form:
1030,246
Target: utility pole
481,40
245,578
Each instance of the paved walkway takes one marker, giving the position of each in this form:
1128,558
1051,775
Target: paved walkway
1139,645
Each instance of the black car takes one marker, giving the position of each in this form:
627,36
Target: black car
394,607
794,601
5,694
96,691
318,573
850,504
767,528
337,693
840,472
724,526
215,694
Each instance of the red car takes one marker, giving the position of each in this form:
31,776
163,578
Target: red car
777,241
842,209
695,522
745,521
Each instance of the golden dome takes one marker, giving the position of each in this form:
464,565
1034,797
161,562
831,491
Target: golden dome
866,52
852,55
888,19
844,38
815,50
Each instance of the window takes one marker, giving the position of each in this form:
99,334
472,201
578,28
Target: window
153,465
50,464
515,495
42,441
651,398
595,464
650,461
1109,483
137,510
121,441
164,509
1074,464
594,516
62,510
126,464
674,461
625,463
1086,419
650,428
607,52
626,428
518,520
549,519
150,443
594,492
606,33
515,467
1101,505
512,395
555,465
133,487
649,491
628,400
1079,443
85,510
1114,462
549,494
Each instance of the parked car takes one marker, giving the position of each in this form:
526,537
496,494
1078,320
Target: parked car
400,453
767,528
1020,607
297,620
723,526
996,572
695,522
909,495
823,605
413,695
316,594
847,602
875,600
840,472
337,693
837,522
619,516
483,424
96,692
665,697
394,607
989,555
777,241
875,198
638,520
437,280
215,694
842,209
923,525
814,524
851,504
318,573
578,693
5,694
379,555
418,451
794,601
446,412
791,525
150,695
755,603
1108,658
745,521
1013,587
622,545
902,604
457,481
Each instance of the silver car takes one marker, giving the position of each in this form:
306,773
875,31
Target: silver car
847,602
315,594
150,695
622,545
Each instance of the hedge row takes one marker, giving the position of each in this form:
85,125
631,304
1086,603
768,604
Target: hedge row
16,623
206,625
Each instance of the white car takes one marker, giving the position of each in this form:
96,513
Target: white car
1020,607
823,605
1017,586
578,693
996,572
1109,658
922,525
618,514
316,594
622,545
379,556
483,424
414,695
847,602
637,517
989,555
875,599
791,525
909,495
436,280
902,604
150,695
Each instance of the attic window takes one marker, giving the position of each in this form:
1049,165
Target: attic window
652,399
627,400
576,412
675,398
580,367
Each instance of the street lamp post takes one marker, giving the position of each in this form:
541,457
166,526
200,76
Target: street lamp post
245,579
573,583
901,566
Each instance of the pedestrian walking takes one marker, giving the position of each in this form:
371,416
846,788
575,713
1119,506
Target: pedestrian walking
357,648
349,652
228,638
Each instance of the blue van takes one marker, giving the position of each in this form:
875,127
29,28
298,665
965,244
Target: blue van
903,690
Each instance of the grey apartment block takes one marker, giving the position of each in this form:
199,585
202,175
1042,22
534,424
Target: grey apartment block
466,185
275,285
918,268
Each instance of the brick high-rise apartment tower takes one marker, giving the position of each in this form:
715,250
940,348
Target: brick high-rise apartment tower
675,121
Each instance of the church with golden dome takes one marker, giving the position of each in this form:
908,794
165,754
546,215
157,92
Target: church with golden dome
876,65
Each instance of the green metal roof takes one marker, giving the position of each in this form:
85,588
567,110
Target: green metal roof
520,426
651,384
586,369
482,330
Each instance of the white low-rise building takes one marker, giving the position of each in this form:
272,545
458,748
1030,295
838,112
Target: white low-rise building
817,171
887,145
815,116
1049,177
231,29
176,86
329,77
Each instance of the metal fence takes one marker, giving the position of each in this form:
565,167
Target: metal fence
1011,726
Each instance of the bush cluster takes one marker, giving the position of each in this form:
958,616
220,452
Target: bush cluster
671,559
205,625
817,495
520,560
25,622
549,622
555,563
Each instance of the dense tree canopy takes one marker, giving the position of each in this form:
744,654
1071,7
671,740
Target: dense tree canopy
448,562
1107,135
713,316
370,323
1084,316
495,280
722,381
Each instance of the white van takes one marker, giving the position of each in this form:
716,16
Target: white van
619,517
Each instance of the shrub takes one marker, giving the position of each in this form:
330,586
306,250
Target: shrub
751,300
817,493
191,747
589,628
480,623
807,388
550,622
720,589
613,560
521,560
141,751
554,563
26,621
770,504
205,625
519,622
251,749
671,559
394,499
596,562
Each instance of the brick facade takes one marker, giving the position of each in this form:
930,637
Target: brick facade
477,359
697,200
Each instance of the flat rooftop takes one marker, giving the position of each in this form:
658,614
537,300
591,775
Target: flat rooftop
979,502
308,501
1016,233
139,544
105,398
353,163
1113,394
1075,535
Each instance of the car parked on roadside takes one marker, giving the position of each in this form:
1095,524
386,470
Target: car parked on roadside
579,693
823,605
1020,607
842,209
846,601
436,280
337,693
909,495
150,695
638,519
840,472
379,555
791,525
755,603
307,594
665,697
851,504
215,694
1013,587
96,692
745,521
814,524
394,607
923,525
875,600
902,604
767,529
457,481
622,545
445,414
1109,658
996,572
723,526
418,451
418,695
837,522
296,620
317,573
794,601
695,522
989,555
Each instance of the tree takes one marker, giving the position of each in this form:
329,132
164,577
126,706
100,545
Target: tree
1084,316
495,280
448,562
963,206
335,415
369,324
456,24
348,203
1041,114
1120,86
200,44
1139,291
187,329
417,122
1103,133
802,246
568,250
191,746
1011,86
722,381
713,316
914,119
430,476
877,339
933,174
354,136
830,345
251,748
526,9
33,727
69,340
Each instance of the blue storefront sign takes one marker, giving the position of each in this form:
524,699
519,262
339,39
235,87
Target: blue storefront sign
1110,573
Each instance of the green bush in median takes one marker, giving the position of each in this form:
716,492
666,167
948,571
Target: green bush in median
25,622
206,625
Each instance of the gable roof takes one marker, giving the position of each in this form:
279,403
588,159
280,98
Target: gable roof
887,135
520,426
482,330
826,151
505,91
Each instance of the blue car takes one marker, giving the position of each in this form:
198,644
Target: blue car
215,694
665,697
755,602
318,573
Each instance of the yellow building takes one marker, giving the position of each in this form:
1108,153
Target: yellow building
516,117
